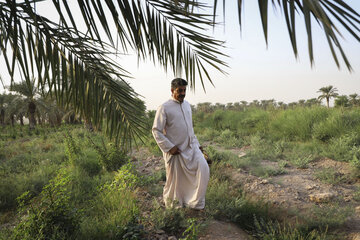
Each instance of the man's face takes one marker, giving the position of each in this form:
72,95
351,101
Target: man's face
179,93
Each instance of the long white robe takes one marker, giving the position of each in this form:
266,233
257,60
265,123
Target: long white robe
187,174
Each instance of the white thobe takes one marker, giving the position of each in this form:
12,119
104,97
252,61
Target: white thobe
187,174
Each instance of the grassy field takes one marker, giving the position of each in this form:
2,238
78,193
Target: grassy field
69,183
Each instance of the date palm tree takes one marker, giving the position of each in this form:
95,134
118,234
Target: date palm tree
354,99
327,93
341,101
77,63
28,93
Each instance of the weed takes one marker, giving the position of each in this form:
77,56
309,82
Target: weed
52,217
356,195
113,212
302,161
343,148
330,176
171,220
192,231
328,216
110,156
269,230
72,149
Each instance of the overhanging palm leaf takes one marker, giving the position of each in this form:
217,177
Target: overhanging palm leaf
78,68
329,14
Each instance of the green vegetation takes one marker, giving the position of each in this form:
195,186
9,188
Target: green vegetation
66,183
71,183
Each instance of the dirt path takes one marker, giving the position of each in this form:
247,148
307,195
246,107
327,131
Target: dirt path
218,230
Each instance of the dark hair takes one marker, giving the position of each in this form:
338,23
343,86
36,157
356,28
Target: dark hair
178,82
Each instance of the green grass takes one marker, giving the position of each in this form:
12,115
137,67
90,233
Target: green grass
331,176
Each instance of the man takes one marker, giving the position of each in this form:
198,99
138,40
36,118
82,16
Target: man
187,172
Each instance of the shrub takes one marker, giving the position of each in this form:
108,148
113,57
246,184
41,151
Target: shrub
330,175
269,230
229,139
343,148
51,217
111,156
113,212
171,220
297,124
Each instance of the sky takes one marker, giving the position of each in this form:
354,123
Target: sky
256,70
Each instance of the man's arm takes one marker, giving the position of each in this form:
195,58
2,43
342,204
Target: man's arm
158,132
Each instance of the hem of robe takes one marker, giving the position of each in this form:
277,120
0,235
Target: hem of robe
177,199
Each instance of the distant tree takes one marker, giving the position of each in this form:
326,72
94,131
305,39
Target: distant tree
312,102
341,101
281,105
327,93
204,107
29,91
301,102
354,99
255,103
292,104
229,106
237,106
219,106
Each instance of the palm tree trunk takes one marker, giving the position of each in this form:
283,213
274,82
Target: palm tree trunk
32,120
21,119
2,117
12,120
327,102
39,118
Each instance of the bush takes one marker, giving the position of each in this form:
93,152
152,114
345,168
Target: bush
343,148
274,230
171,220
114,211
297,124
51,217
337,124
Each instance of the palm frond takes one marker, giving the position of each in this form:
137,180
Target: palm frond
331,15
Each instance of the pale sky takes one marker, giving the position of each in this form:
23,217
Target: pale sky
256,71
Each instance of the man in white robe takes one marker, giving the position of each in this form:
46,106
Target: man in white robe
187,172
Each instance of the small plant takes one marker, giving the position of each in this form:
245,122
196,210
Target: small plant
343,148
330,175
51,217
192,231
328,216
72,149
356,195
171,220
302,162
279,148
267,171
110,156
269,230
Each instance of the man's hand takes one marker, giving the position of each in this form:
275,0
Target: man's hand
174,151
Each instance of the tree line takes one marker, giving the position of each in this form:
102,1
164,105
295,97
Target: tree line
326,93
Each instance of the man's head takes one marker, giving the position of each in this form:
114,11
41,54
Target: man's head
178,89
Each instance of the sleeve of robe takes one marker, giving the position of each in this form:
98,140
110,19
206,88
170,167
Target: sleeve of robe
158,130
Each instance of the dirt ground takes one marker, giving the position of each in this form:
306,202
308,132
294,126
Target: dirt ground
295,191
